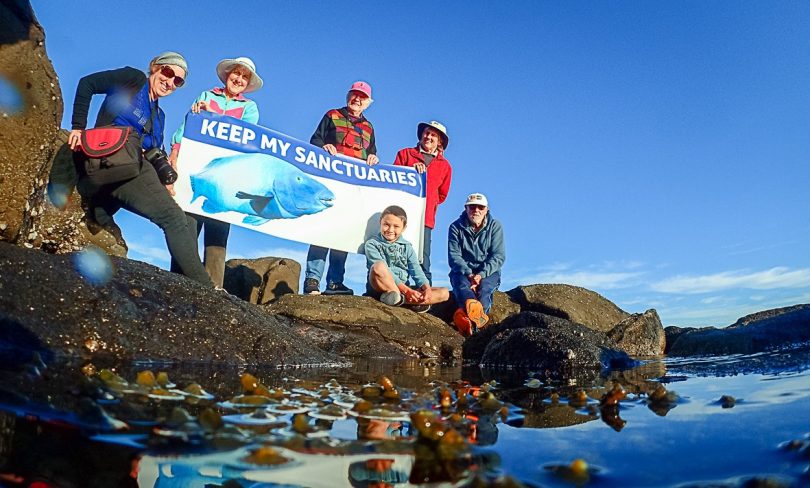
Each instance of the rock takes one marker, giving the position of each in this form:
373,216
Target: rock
142,313
539,341
27,134
64,223
640,334
361,326
569,302
262,280
768,330
672,333
502,308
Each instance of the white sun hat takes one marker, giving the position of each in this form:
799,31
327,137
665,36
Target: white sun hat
226,65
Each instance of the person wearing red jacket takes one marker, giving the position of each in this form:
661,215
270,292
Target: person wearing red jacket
428,155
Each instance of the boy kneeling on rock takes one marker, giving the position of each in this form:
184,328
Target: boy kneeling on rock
392,261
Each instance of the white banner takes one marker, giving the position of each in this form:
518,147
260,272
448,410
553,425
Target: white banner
266,181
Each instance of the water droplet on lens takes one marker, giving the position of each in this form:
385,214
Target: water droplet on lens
10,99
94,266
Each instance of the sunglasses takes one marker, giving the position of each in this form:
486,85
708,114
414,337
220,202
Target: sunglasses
476,207
168,72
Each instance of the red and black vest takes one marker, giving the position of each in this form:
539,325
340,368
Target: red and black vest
353,138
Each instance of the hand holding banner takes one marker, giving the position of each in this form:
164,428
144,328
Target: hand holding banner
254,177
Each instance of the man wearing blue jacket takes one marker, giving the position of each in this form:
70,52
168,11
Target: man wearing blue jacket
476,252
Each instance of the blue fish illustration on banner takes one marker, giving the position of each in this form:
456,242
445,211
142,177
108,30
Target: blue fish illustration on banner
261,186
261,179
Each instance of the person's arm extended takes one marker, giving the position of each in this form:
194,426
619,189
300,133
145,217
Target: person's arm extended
178,134
95,84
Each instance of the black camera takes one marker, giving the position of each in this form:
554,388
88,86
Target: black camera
160,161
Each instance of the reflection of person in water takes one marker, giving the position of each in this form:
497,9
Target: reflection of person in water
377,473
484,431
130,480
375,429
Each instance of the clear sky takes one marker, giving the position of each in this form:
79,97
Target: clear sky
654,152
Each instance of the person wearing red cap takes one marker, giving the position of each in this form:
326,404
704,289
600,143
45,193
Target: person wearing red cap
428,156
346,131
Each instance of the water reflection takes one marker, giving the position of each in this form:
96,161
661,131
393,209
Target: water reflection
205,426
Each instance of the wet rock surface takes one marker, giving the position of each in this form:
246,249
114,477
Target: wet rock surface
763,331
569,302
362,326
143,312
544,342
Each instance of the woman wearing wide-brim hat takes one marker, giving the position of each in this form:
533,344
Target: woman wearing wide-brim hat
238,76
428,156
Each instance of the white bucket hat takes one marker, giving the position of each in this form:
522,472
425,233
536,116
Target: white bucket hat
226,65
436,125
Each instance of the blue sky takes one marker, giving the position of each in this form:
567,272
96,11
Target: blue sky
656,153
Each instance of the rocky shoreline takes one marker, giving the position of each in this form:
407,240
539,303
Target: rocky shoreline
145,313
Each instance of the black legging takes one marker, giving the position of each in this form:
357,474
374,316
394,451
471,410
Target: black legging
144,195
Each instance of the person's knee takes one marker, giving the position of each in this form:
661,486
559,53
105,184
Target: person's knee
379,271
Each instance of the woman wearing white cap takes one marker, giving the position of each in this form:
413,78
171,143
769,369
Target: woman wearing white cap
239,77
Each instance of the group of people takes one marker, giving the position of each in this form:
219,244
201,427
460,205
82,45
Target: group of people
396,275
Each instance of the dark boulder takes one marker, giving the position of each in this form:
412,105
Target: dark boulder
261,280
640,334
571,303
546,343
142,313
361,326
763,331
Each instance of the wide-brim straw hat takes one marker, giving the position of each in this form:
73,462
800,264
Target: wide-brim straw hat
225,66
436,125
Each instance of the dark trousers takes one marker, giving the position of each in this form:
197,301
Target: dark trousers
215,241
316,262
426,254
462,291
146,196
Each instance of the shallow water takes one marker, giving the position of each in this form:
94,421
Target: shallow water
686,438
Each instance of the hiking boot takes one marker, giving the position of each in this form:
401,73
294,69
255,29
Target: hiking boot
392,298
462,323
337,289
475,311
417,307
312,287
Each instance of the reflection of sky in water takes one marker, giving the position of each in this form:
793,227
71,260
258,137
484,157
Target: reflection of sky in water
697,440
10,99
